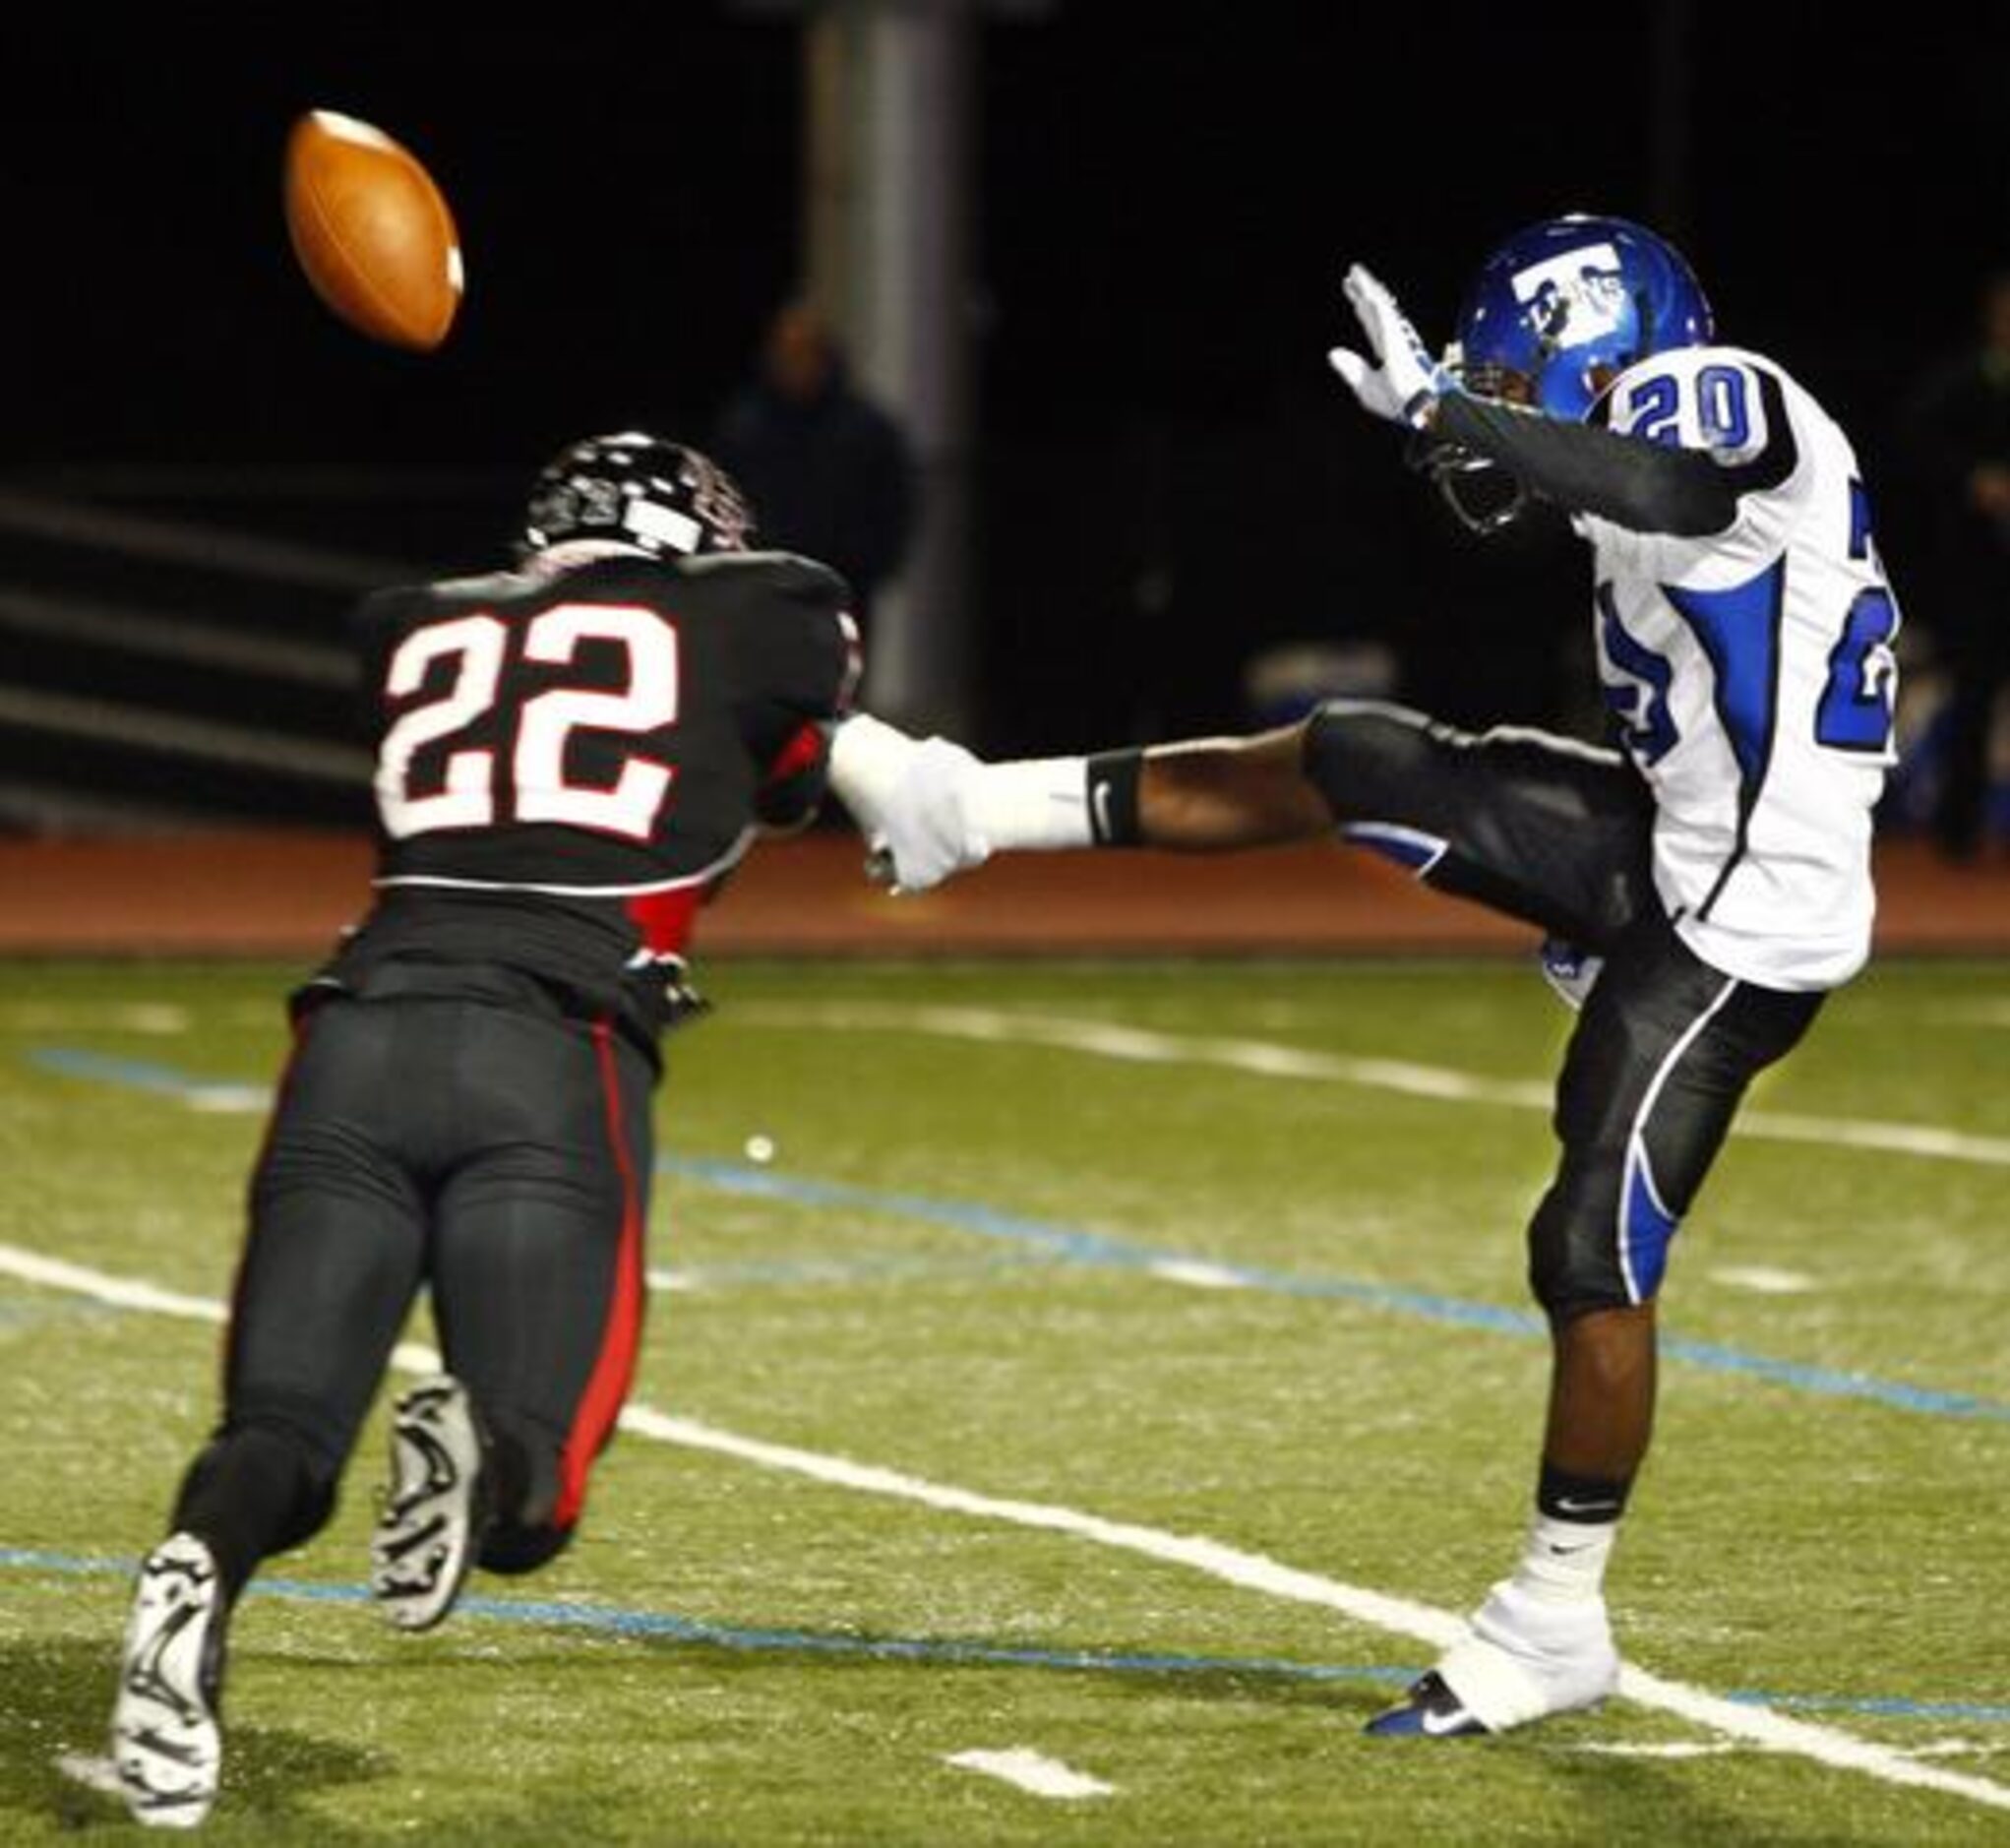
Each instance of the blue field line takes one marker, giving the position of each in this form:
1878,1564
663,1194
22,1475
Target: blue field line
1833,1383
1073,1244
1883,1707
869,1267
663,1625
1078,1246
135,1075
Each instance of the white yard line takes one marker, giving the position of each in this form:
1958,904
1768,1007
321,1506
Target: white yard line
1103,1039
1029,1771
1213,1558
227,1101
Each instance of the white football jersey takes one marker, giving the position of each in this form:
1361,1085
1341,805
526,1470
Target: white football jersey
1751,672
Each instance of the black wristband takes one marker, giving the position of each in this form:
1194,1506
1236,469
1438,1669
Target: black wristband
1113,778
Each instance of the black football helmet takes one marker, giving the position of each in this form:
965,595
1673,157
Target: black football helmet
638,490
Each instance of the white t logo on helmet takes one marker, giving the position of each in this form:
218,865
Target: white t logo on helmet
1577,297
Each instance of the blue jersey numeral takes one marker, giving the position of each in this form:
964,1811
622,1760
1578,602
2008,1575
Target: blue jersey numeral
1657,410
1639,699
1722,409
1719,392
1855,713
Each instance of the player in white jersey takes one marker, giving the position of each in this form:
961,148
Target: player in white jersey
1703,886
1767,747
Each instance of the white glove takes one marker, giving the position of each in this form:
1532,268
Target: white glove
910,797
1404,382
926,830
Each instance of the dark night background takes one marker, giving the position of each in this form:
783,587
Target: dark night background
1166,198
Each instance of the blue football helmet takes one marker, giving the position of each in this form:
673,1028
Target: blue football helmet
1556,314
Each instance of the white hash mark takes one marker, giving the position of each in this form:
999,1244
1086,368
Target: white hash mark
1033,1772
1764,1279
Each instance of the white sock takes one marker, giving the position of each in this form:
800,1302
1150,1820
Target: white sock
1035,802
1564,1561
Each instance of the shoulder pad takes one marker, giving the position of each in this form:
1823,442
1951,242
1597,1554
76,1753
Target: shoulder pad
776,574
1718,398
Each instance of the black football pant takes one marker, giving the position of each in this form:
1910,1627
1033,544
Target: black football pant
1559,834
498,1157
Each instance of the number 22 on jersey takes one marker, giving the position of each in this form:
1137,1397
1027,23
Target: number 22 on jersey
476,788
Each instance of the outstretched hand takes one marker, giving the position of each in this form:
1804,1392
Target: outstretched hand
910,798
1401,382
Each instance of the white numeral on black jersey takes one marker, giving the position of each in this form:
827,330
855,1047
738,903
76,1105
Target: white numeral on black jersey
476,644
537,789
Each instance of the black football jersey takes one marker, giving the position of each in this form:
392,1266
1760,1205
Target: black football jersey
568,759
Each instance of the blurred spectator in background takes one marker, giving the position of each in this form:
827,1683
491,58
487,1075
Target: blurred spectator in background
829,471
1956,431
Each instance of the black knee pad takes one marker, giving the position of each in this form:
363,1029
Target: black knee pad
1365,757
1573,1266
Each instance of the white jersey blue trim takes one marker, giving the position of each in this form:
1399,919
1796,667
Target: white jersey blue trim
1750,672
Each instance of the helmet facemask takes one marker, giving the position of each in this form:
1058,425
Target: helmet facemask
1486,497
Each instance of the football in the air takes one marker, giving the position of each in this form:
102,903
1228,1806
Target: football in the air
372,231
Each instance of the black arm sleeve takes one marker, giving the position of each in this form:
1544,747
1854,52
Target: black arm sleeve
1646,487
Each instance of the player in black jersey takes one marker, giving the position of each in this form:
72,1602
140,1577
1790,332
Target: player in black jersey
569,755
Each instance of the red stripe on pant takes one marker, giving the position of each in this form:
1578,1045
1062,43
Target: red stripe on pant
615,1369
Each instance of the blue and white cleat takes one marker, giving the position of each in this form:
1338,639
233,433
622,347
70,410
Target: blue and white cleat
1429,1710
1524,1658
